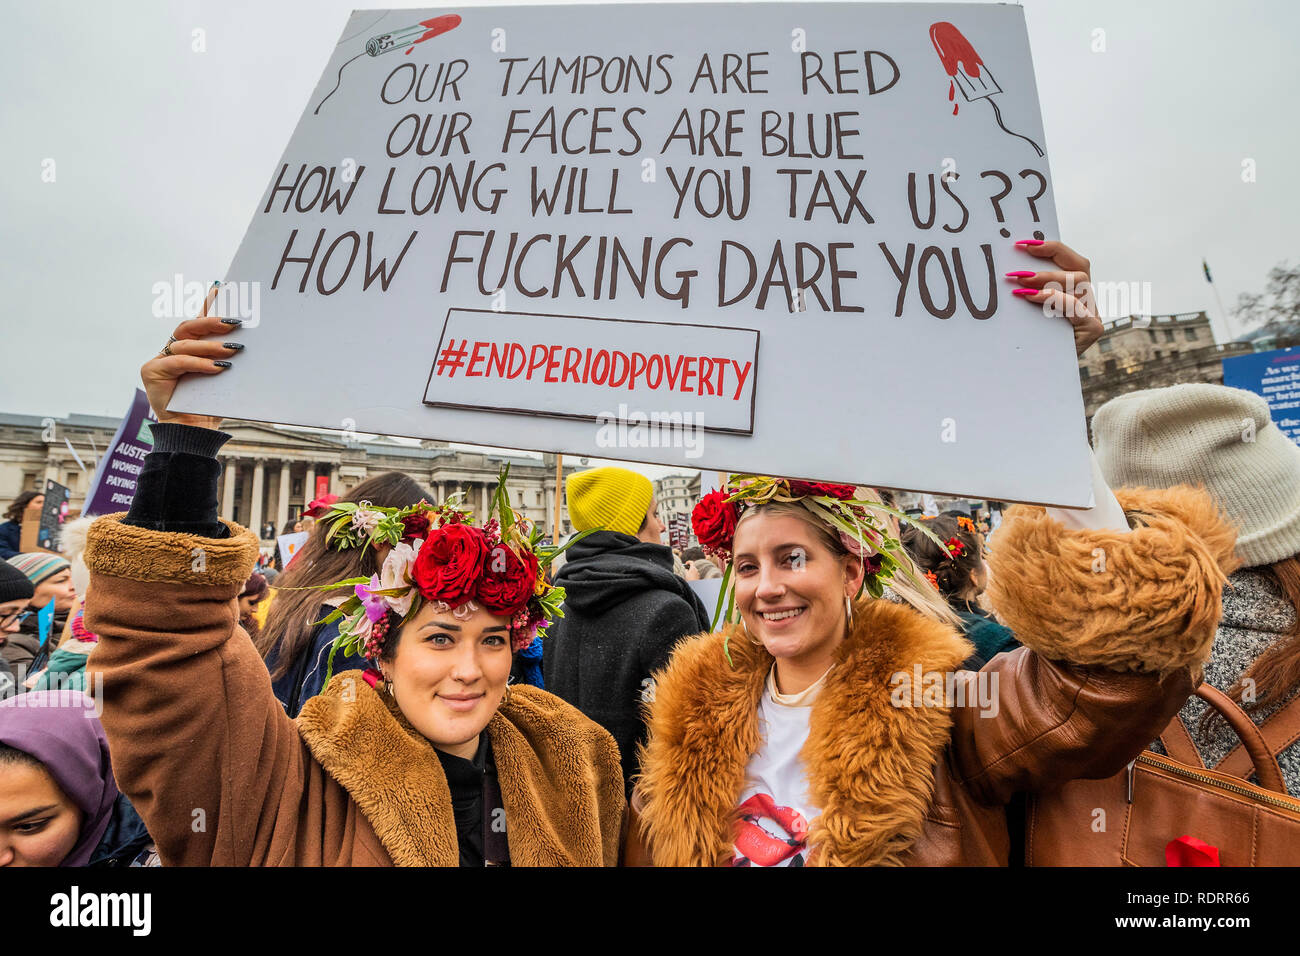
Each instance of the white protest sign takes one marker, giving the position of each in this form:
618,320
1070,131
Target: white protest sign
290,544
829,191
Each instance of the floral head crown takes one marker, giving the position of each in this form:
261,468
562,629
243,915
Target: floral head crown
859,523
439,556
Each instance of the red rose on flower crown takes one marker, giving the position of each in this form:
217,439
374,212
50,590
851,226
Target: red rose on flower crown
416,525
714,523
507,580
844,492
500,567
450,563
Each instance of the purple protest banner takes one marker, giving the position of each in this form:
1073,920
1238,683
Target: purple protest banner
113,487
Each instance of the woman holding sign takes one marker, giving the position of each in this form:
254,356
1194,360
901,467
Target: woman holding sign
429,760
826,727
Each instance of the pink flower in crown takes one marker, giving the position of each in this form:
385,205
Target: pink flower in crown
360,624
396,573
365,520
856,548
374,605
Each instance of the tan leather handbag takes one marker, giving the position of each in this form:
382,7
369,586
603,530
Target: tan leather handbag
1170,810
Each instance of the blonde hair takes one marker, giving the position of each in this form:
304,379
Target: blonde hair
925,600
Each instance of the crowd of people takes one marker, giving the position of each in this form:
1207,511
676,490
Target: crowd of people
417,687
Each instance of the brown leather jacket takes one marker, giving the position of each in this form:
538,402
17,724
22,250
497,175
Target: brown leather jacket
911,761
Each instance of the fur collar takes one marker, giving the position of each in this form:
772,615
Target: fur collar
561,783
870,764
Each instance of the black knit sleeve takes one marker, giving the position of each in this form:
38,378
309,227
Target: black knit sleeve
177,488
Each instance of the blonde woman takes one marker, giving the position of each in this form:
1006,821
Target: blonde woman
829,728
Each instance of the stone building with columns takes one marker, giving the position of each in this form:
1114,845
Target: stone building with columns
270,473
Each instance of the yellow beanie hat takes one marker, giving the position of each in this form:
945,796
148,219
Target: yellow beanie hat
611,498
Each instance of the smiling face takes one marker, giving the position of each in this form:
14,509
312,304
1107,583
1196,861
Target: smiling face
449,675
790,585
39,823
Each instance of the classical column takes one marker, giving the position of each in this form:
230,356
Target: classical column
483,497
440,491
282,502
255,514
228,492
309,486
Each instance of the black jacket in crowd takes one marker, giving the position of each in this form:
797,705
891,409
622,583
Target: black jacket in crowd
624,611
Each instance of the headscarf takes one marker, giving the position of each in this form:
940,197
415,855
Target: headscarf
60,729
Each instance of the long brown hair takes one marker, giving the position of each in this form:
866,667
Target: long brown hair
954,573
15,512
1276,671
291,621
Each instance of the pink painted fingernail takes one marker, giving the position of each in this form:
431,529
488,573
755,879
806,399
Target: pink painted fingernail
1030,242
1025,291
1021,275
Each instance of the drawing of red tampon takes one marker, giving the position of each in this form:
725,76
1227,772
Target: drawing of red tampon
408,37
403,39
968,73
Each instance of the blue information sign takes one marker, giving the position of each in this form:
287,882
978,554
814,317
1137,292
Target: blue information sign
1275,376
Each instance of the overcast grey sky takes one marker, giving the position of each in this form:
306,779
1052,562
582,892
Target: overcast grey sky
161,154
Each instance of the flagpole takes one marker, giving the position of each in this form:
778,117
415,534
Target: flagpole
1222,311
559,493
1227,322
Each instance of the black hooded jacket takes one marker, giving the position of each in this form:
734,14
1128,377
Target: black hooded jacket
624,611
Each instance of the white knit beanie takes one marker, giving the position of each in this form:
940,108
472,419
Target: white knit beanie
1221,438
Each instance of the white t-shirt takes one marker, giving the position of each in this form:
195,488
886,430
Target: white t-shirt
775,806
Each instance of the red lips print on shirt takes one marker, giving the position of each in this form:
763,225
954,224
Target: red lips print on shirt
758,845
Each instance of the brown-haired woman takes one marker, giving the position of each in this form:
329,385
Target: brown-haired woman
955,566
431,759
294,641
11,530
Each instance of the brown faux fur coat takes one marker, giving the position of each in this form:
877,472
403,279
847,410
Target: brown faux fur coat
1115,627
222,776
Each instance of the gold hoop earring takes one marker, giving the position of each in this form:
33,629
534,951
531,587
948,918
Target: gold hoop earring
848,610
505,701
745,627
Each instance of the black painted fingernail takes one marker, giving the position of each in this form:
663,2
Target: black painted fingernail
232,345
221,364
233,321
